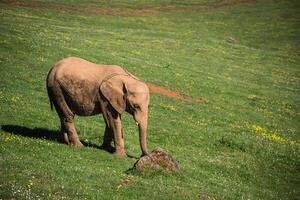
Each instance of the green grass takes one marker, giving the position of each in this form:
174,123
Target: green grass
242,144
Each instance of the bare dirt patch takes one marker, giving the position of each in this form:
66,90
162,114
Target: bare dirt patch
174,94
219,4
161,8
78,9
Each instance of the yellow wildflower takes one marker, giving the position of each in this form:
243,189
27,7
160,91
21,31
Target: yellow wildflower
268,135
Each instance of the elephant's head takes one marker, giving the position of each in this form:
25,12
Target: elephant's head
127,93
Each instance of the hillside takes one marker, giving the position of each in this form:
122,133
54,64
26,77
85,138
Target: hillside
225,101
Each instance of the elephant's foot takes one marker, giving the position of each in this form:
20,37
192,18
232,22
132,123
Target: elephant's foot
120,153
77,144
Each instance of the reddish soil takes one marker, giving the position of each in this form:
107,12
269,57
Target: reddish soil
219,4
162,8
173,94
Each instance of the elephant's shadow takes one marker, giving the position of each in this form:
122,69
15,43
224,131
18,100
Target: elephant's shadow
42,133
46,134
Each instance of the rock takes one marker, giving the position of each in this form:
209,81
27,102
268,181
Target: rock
204,197
231,40
158,159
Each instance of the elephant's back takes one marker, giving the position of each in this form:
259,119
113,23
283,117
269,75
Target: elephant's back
78,68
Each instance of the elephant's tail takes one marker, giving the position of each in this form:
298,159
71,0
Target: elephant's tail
50,98
49,83
51,104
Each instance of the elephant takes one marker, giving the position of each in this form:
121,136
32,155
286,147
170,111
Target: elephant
78,87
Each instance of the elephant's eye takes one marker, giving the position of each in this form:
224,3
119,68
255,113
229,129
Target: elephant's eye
136,106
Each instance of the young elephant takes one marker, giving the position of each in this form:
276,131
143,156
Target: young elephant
79,87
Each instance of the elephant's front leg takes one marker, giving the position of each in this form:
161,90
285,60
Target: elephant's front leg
116,126
107,139
118,137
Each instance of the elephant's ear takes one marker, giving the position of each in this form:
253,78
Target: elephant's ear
113,91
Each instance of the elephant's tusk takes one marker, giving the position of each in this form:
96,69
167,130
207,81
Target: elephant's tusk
137,123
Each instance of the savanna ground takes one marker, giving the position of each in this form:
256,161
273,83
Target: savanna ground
241,56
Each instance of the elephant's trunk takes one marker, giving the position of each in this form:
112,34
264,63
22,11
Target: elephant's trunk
143,136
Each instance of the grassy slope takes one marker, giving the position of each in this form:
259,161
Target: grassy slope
242,144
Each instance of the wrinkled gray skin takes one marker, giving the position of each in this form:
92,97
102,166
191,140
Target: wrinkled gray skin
78,87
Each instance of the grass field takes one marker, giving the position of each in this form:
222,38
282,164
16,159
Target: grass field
243,56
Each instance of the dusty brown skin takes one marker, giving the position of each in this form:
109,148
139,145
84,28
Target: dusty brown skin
79,87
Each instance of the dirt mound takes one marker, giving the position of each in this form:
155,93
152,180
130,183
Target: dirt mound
174,94
158,159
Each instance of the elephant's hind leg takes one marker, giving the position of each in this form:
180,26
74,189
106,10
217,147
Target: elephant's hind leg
69,132
64,132
66,118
